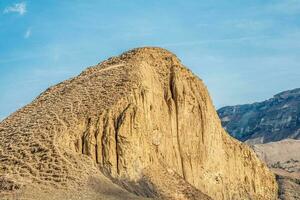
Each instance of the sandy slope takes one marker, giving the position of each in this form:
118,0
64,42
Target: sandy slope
283,158
144,121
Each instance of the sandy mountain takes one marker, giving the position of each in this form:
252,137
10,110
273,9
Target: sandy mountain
272,120
134,126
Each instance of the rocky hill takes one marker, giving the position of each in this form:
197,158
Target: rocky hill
136,126
271,120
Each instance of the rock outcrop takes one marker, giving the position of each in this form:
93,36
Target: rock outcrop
144,121
272,120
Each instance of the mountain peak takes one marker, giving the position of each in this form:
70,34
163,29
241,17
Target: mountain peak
140,120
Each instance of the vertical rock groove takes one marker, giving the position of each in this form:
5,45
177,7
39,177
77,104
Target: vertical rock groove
201,113
97,132
82,144
117,147
104,139
172,85
117,124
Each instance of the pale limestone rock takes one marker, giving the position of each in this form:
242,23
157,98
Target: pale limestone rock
141,118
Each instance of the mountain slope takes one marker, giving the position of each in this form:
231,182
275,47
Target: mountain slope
281,154
271,120
144,121
283,158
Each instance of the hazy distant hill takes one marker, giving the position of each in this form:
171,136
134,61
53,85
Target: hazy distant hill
271,120
283,158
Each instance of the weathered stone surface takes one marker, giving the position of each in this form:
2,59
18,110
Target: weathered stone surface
140,118
272,120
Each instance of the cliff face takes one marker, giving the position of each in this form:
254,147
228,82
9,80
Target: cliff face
143,120
272,120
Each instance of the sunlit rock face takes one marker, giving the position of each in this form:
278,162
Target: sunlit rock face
144,121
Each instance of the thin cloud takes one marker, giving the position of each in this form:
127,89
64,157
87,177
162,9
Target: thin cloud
16,8
27,33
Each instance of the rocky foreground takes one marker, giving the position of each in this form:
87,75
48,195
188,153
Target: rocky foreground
136,126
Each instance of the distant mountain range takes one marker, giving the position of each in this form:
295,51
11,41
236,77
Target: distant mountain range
272,120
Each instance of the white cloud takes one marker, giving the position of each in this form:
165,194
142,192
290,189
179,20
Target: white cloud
27,33
17,8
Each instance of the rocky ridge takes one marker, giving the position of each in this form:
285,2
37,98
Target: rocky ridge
272,120
144,121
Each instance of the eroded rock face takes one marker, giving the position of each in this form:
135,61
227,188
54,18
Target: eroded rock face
137,118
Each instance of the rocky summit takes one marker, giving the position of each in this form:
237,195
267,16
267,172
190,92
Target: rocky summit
272,120
136,126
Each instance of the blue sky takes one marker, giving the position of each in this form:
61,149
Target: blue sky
244,50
